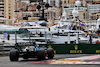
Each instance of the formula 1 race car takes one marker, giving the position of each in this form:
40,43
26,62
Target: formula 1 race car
30,51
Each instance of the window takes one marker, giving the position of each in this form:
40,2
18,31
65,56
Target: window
1,4
64,1
1,16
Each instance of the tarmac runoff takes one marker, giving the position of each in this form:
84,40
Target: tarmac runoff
76,60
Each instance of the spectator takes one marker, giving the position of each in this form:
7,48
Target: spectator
90,37
41,35
48,41
8,37
71,28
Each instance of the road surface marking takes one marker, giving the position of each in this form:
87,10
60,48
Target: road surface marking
85,57
76,60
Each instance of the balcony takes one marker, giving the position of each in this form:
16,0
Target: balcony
1,16
1,2
1,6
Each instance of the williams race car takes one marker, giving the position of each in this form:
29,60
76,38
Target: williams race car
30,50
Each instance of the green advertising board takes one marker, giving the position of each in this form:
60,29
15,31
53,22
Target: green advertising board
75,48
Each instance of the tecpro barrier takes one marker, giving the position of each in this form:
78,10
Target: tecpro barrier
75,48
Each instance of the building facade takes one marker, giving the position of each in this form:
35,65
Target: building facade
92,0
64,2
82,12
92,8
1,10
51,14
7,10
20,6
27,1
95,15
56,3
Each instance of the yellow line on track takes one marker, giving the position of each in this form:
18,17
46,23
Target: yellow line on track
66,61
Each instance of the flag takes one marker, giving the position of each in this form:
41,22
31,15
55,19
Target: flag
68,27
59,25
0,14
53,6
50,19
27,23
5,35
56,26
69,14
5,15
82,24
59,17
85,22
17,21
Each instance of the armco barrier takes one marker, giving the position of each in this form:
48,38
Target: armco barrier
4,49
75,48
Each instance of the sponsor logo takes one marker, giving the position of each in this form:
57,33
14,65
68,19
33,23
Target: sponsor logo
76,50
97,51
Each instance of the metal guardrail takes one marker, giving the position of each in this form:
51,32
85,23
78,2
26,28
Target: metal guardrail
4,49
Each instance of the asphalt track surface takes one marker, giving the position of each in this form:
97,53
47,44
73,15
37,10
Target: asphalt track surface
5,62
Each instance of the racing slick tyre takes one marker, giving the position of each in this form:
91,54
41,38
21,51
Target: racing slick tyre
14,55
41,54
50,53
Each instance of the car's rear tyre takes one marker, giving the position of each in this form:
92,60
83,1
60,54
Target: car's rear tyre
14,55
50,53
41,54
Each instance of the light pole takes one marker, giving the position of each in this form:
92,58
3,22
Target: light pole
75,14
41,4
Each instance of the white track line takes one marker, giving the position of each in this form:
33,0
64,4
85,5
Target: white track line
85,57
76,63
92,57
